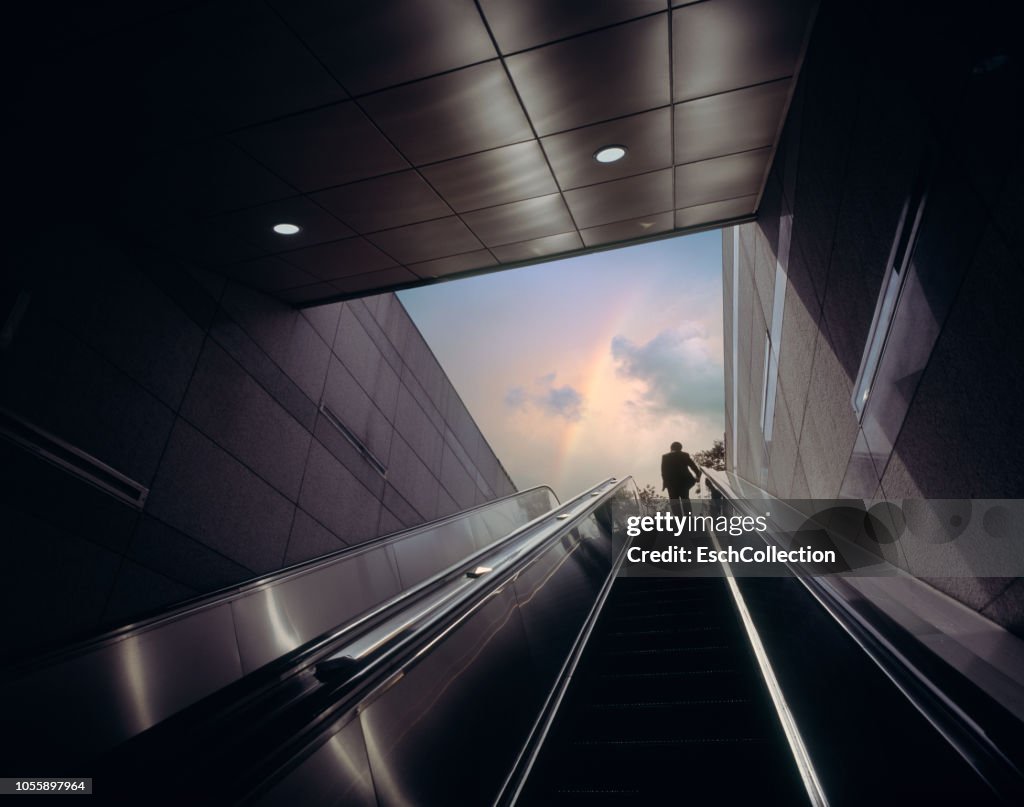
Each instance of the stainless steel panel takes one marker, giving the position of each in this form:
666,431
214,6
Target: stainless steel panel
621,199
277,619
337,773
430,239
352,256
384,202
602,75
722,178
477,690
465,262
730,44
716,211
527,23
647,138
325,147
256,225
95,700
435,548
493,177
427,553
374,45
730,122
451,115
556,593
626,230
520,221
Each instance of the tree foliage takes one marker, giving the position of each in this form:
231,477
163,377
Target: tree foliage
647,495
713,457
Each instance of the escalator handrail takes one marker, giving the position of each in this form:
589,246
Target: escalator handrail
965,717
359,684
379,640
21,666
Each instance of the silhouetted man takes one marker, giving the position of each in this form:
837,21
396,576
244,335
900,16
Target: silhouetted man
677,479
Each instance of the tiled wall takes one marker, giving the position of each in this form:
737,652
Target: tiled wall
209,394
861,121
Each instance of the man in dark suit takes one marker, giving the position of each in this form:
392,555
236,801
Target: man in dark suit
677,479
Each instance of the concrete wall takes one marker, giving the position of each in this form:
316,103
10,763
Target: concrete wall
882,92
208,394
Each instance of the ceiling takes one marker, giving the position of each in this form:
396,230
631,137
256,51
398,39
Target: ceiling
412,141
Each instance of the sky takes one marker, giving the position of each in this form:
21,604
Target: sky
588,367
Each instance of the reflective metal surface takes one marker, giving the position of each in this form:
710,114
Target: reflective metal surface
557,591
108,690
337,773
279,618
449,724
120,688
477,690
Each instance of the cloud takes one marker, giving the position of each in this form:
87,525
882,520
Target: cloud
517,398
563,402
679,372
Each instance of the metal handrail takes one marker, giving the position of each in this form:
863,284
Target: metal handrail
972,730
365,669
241,589
499,558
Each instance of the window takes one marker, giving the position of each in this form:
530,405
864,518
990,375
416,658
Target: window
892,286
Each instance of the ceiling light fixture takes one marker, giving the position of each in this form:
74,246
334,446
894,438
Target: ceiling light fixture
610,154
286,229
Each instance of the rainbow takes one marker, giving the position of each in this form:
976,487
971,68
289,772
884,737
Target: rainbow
596,385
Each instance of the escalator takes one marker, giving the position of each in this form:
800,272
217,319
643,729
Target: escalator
668,702
510,660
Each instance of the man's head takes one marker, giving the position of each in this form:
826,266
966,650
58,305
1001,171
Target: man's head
677,446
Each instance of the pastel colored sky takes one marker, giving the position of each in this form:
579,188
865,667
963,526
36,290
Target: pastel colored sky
587,367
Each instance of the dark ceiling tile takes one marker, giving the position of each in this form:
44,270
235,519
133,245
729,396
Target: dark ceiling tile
721,178
326,147
728,44
209,177
492,177
307,294
451,115
204,242
256,224
369,46
729,122
622,199
352,256
268,274
628,230
520,221
603,75
384,202
647,138
526,23
430,239
236,64
538,248
375,280
456,264
716,211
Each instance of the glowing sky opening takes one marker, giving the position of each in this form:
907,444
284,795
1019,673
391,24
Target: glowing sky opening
587,367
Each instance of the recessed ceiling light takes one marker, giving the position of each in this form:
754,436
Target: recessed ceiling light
286,229
610,154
